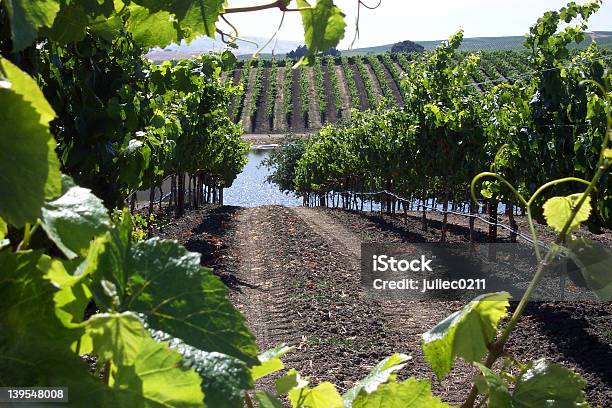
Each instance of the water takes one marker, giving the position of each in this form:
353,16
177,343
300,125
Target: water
250,189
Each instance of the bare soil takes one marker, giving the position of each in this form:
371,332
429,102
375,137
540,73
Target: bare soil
294,273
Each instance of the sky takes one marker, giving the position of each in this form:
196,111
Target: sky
397,20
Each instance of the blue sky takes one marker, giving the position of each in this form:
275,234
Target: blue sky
397,20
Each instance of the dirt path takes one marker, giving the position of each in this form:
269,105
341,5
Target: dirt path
299,274
295,274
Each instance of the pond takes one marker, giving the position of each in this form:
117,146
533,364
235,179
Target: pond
250,189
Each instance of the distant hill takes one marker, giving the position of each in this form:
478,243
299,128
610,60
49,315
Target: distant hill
205,44
603,38
246,50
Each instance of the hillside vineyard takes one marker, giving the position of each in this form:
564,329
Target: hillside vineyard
326,92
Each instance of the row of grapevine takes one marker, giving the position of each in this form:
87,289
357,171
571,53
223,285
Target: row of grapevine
288,108
319,83
367,83
350,83
393,69
273,79
304,96
335,86
386,72
243,84
256,86
476,127
379,73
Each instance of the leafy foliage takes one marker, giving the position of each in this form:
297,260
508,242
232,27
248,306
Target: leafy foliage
466,333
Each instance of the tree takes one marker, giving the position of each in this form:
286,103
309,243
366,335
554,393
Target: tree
407,46
302,50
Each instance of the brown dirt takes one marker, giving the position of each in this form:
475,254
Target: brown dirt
393,85
314,115
262,124
344,92
294,272
331,112
297,121
363,97
373,79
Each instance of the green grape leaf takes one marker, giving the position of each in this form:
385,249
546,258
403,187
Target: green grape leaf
465,333
269,361
199,17
166,283
381,373
411,393
595,263
69,26
489,383
267,400
324,395
557,211
116,337
35,348
151,29
144,372
26,17
324,26
26,87
29,168
73,220
290,380
543,384
73,293
225,379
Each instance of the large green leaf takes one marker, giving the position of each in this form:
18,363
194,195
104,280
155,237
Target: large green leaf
270,362
380,374
151,28
323,26
543,384
198,17
411,393
73,292
225,379
323,395
24,85
35,348
290,380
595,263
465,333
29,168
70,25
557,211
144,372
73,220
166,283
26,17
